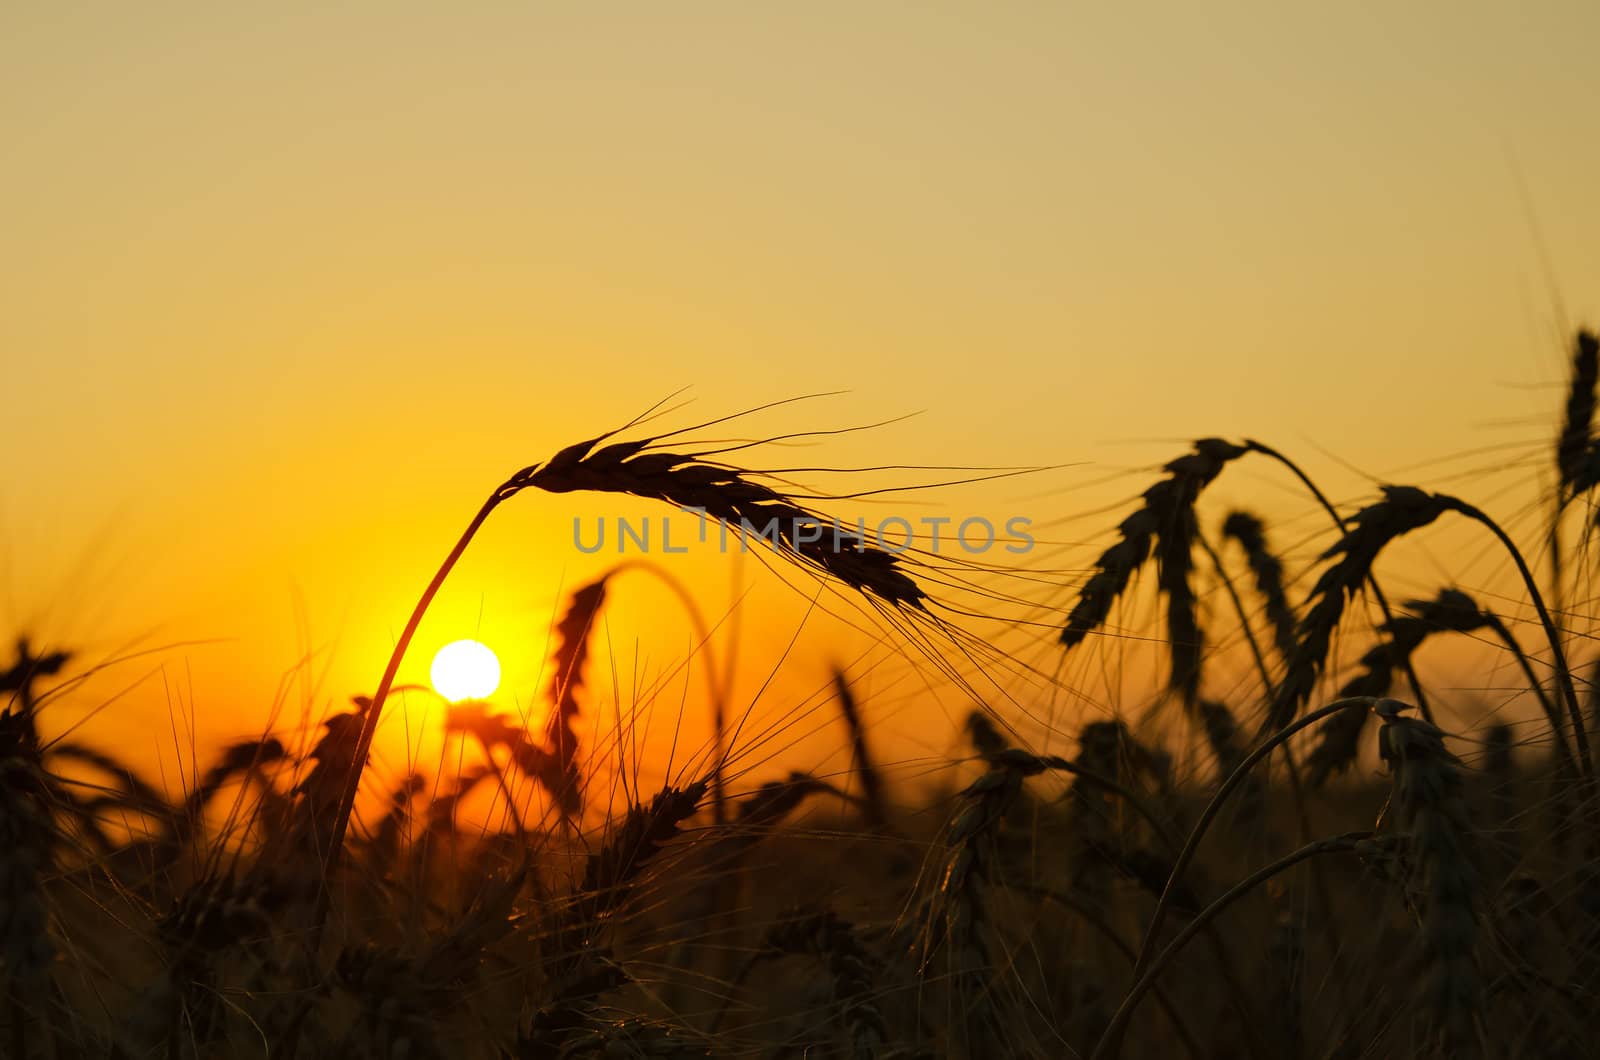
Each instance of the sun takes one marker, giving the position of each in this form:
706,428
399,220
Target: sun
465,669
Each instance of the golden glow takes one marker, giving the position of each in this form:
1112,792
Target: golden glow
445,248
465,669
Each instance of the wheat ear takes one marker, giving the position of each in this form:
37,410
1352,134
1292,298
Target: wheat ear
1428,806
680,479
1165,526
1267,569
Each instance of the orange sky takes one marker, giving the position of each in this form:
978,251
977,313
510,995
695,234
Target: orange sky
287,289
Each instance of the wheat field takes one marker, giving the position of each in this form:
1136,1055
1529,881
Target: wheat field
1318,862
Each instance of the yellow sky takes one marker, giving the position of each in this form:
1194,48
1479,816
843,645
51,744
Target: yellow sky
286,289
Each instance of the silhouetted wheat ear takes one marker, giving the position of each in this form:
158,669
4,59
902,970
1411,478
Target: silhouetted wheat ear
1339,738
958,903
1164,525
132,791
731,496
28,838
611,871
855,974
566,680
1402,509
16,683
1222,734
961,924
544,767
332,756
1572,445
1267,571
1427,805
236,759
866,769
386,843
215,914
1092,810
406,996
986,739
758,812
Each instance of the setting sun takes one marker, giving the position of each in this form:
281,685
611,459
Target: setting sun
465,669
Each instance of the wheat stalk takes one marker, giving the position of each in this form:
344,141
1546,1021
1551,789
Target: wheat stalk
681,479
1111,1041
1451,611
1428,806
28,837
1214,807
1402,509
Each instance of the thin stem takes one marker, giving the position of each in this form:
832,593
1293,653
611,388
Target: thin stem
1110,1041
505,789
1558,656
369,726
1244,616
1550,710
1092,917
1556,590
1237,777
1372,579
1063,765
1319,886
716,686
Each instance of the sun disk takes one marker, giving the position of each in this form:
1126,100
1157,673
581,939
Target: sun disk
465,669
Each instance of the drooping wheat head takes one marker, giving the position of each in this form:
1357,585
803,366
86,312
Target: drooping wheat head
1427,806
1339,739
1402,509
730,496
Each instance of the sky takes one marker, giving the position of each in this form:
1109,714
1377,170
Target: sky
288,288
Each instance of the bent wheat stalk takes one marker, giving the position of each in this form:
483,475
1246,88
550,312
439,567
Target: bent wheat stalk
1339,521
685,480
1110,1041
1209,814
